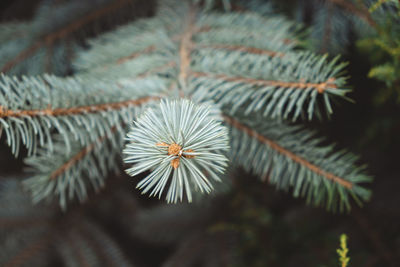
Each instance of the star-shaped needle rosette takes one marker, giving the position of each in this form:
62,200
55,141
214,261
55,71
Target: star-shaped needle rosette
183,146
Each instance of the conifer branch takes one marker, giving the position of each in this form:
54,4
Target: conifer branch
99,105
69,174
73,239
208,28
161,68
287,153
79,156
134,55
170,142
4,112
290,157
185,48
319,87
74,26
220,59
275,86
240,48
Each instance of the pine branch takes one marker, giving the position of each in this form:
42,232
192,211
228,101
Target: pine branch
72,238
68,175
239,48
167,141
319,87
279,149
182,51
30,108
290,157
52,37
185,48
282,92
78,156
4,113
227,44
134,55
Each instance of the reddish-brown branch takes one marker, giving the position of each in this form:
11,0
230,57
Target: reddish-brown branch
78,156
240,48
361,12
61,33
136,54
163,67
72,161
74,110
320,87
287,153
208,28
186,47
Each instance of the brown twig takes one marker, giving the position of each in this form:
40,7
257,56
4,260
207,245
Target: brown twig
78,156
163,67
74,110
320,87
287,153
185,48
208,28
240,48
134,55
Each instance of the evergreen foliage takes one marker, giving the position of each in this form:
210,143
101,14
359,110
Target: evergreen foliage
221,60
211,102
49,42
35,235
373,26
169,141
292,157
343,250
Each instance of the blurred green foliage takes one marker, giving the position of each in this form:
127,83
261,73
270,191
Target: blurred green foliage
383,50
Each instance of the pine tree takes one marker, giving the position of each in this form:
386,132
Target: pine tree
181,101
